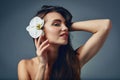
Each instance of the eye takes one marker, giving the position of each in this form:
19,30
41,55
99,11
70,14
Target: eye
56,24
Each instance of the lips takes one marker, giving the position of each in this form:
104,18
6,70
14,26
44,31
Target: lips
64,35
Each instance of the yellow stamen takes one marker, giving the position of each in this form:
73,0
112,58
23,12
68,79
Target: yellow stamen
39,26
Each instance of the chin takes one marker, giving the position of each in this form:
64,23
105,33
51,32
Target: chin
64,43
59,42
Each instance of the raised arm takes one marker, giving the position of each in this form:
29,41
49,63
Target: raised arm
100,29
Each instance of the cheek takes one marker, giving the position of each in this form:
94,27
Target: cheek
52,33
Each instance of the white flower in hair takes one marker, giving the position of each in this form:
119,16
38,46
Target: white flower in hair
35,27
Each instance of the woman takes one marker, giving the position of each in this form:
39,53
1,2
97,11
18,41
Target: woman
56,59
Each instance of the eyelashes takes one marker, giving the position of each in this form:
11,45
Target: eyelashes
56,24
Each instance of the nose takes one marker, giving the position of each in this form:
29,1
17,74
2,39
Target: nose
64,28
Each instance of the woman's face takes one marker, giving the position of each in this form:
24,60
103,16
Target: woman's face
55,29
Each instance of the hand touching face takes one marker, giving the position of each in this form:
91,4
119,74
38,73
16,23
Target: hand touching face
41,49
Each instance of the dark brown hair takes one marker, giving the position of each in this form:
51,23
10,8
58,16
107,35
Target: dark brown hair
67,66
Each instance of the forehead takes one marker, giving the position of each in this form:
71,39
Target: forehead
54,16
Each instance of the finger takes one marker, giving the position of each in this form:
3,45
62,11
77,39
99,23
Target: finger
43,44
39,40
44,48
42,51
36,43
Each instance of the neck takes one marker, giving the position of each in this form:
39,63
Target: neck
52,54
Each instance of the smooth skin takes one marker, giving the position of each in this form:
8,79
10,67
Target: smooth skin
39,68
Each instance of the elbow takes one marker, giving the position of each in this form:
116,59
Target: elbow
108,24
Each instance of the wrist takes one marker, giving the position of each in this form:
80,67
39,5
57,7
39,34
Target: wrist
42,66
41,61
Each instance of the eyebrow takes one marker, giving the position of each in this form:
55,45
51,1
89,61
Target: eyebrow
58,20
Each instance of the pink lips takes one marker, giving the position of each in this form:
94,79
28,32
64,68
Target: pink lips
64,35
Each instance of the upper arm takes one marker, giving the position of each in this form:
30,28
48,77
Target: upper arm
22,71
92,46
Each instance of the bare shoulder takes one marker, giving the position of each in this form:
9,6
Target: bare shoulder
24,68
26,62
22,65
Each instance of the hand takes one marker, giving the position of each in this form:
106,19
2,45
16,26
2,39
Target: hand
41,49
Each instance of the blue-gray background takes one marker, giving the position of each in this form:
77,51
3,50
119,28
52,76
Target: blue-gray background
16,44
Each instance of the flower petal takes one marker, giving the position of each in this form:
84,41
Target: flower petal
36,20
36,33
35,26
